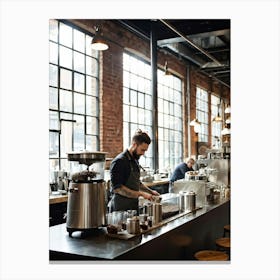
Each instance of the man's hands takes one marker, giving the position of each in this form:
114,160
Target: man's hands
146,195
155,192
149,196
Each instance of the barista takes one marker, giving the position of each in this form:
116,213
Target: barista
182,168
125,175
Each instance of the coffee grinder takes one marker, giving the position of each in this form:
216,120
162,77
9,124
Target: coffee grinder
86,207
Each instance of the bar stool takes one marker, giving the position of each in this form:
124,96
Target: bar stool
211,255
226,230
223,244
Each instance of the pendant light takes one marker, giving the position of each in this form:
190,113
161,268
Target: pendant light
98,43
228,110
166,71
228,120
218,118
226,130
196,124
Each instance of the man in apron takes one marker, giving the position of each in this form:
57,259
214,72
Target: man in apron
125,175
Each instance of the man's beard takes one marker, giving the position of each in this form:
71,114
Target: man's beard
135,155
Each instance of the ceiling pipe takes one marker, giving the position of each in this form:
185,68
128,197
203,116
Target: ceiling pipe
141,35
191,43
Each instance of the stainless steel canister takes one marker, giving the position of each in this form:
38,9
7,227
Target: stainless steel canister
157,212
191,198
187,201
133,225
148,209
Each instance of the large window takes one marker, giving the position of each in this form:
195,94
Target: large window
216,127
138,111
137,103
73,94
170,121
202,113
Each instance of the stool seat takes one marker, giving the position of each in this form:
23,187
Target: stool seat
227,227
211,255
226,230
223,242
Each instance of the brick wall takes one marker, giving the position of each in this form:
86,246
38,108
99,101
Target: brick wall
111,128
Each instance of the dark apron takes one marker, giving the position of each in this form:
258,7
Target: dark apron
120,202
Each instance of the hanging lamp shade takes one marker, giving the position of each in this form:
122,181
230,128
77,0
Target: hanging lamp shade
228,109
195,122
225,131
98,43
218,118
228,120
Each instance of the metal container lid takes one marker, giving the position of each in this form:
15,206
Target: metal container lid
191,193
87,157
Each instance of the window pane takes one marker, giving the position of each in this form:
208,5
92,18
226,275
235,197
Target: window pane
53,120
134,115
53,98
91,66
65,79
141,116
148,117
66,116
65,35
53,144
126,115
133,98
79,103
148,102
91,143
141,84
126,62
65,57
91,106
92,86
79,62
53,30
79,41
53,75
53,53
79,82
202,113
126,79
65,140
125,96
141,97
65,100
92,126
79,133
133,81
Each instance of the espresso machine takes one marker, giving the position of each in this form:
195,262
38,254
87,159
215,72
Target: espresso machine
86,207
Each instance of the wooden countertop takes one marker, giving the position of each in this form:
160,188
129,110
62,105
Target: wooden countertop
58,198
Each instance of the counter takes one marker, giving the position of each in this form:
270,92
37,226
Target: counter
177,240
53,199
